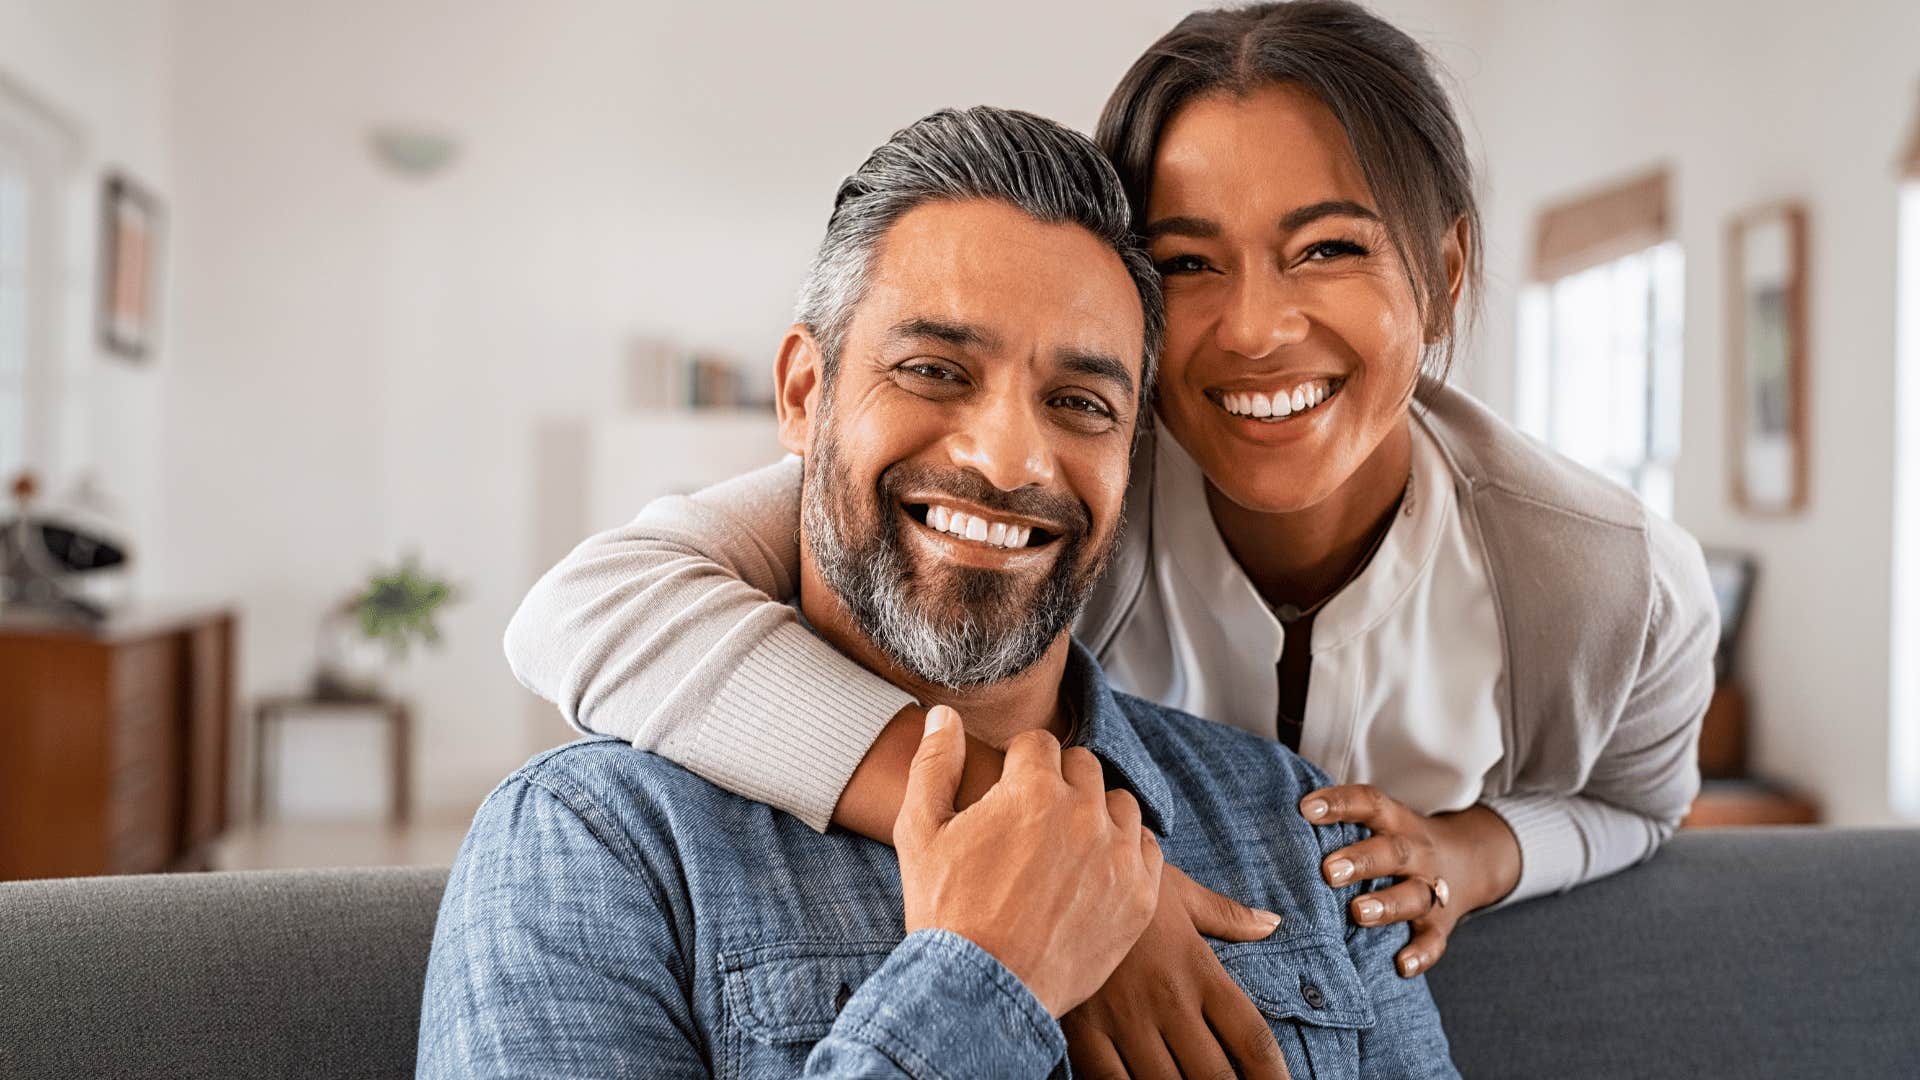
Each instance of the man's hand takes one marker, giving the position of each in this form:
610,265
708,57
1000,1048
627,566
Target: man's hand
1170,1009
1049,872
1469,859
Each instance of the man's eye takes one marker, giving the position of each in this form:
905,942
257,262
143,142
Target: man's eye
937,372
1333,249
1181,264
1082,403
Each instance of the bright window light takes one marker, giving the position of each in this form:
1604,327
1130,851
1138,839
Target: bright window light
1905,781
1599,371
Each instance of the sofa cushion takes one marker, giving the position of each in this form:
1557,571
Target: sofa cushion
302,973
1732,953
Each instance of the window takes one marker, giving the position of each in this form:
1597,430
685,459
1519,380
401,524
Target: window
1905,781
1598,374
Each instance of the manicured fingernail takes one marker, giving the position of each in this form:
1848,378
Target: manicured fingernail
1315,809
1339,870
1369,909
1268,919
1410,966
937,718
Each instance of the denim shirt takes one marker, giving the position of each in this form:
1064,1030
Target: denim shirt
611,914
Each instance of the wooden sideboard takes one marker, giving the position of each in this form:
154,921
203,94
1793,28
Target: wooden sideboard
113,742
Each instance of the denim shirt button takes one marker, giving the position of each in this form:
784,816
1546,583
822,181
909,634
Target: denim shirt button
1313,995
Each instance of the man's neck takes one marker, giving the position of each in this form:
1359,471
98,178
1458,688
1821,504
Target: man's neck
993,714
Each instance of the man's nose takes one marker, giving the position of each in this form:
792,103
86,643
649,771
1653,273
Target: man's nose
1262,315
1006,442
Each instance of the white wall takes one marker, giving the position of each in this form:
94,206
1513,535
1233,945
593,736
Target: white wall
104,70
363,364
1748,102
358,365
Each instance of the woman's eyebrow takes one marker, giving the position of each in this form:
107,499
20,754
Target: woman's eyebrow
1199,228
1192,227
1313,212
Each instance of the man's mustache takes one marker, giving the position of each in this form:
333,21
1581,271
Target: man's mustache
1064,515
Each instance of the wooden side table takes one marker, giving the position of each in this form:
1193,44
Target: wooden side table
270,710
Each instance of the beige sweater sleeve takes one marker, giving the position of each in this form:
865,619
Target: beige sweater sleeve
671,632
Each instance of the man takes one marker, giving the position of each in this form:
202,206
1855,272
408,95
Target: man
977,335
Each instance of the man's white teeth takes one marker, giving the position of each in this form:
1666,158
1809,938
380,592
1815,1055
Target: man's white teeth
1280,403
978,529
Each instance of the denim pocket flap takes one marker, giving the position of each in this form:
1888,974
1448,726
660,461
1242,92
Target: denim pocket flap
1310,980
793,991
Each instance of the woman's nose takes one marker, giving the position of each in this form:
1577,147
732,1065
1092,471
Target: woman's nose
1261,316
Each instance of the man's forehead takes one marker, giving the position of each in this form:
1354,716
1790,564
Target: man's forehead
1014,284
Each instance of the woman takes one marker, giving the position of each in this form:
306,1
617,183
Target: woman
1503,657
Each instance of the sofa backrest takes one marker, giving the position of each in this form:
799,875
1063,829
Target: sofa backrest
1758,953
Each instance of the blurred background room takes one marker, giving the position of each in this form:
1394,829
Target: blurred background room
325,328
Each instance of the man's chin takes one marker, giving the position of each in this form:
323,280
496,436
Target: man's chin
952,599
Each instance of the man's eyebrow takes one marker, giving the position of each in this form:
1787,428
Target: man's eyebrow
1313,212
1193,227
959,335
1098,366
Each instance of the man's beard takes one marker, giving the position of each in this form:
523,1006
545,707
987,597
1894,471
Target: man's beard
953,626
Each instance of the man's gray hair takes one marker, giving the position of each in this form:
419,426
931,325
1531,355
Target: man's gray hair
1053,173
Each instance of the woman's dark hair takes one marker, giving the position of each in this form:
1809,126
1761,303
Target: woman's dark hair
1378,82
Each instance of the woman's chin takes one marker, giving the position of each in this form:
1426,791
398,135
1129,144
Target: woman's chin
1269,496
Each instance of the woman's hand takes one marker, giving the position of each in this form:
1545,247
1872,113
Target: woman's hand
1468,859
1170,1009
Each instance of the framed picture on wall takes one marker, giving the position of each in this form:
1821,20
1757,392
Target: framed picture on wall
1767,341
129,268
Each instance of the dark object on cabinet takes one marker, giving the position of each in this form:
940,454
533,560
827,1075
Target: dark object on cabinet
1732,574
113,742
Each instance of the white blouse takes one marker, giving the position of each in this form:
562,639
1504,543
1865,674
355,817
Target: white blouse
1407,665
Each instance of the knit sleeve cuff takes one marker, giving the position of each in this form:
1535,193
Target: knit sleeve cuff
790,725
1553,853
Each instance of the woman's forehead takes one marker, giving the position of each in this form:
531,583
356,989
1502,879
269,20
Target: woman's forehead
1258,154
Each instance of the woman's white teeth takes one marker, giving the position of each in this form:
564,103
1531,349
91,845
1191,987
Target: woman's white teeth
978,529
1280,403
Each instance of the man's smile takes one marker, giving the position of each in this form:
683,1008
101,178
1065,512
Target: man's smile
955,532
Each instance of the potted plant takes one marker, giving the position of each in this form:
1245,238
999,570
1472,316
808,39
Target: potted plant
396,609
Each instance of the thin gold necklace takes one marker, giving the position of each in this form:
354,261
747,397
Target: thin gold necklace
1288,614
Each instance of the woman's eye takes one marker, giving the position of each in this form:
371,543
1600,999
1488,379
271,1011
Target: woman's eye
1333,249
1181,264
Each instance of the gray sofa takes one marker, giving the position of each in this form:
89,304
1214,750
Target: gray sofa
1736,954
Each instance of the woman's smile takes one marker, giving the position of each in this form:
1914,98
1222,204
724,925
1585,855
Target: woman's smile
1289,401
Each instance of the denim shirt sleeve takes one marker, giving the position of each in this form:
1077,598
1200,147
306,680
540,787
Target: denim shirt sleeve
941,1006
553,956
1406,1039
557,954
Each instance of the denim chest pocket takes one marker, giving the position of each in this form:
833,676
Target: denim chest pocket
782,999
1312,997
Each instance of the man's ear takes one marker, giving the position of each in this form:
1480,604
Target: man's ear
799,377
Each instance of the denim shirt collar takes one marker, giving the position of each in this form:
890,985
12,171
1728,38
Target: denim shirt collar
1107,730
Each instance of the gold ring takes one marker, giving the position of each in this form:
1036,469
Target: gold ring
1442,893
